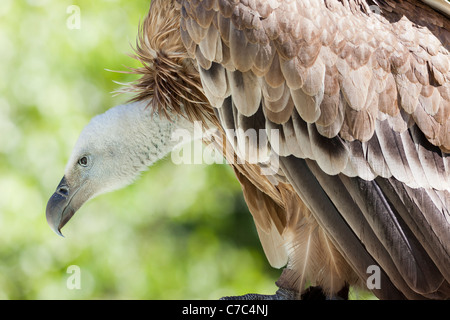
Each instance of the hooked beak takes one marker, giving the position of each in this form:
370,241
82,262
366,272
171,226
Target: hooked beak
59,207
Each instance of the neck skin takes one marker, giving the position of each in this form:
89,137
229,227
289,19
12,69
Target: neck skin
152,133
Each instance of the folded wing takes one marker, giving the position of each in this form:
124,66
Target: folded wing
360,97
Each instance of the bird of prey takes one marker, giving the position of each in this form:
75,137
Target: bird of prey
354,187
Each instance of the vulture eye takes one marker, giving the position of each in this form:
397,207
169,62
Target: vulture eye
83,161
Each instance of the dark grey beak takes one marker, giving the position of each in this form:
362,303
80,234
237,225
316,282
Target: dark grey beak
59,210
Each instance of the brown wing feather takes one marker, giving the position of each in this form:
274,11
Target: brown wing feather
388,66
364,97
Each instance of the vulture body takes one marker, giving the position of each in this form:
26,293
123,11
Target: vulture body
358,176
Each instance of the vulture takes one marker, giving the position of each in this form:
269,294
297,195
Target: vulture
346,171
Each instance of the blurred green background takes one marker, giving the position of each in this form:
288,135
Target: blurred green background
180,232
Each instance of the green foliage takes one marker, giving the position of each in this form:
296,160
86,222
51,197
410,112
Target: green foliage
180,232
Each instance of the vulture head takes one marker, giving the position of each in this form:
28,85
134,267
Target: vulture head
116,146
110,153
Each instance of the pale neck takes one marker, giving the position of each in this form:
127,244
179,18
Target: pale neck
153,132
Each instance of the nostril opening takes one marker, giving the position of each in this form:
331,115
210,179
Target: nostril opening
63,191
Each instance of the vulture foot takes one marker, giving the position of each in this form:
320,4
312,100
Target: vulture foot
312,293
287,291
281,294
